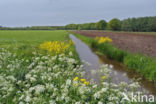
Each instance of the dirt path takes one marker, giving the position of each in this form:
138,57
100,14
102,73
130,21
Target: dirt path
136,43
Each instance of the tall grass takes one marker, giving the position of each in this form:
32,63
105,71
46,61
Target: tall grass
142,64
109,50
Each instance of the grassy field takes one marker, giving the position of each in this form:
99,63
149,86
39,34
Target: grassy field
42,67
24,43
30,37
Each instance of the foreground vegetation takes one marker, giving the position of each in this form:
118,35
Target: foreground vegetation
138,62
55,80
50,72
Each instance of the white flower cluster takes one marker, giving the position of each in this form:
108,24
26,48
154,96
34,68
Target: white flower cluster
45,79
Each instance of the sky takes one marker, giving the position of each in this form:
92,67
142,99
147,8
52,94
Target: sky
16,13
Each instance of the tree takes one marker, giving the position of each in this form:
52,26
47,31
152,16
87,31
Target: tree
139,24
92,26
71,26
114,24
152,24
101,25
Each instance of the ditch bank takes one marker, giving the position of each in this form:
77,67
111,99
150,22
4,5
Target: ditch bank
122,73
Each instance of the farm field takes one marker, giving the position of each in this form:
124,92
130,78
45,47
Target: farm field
44,67
142,43
124,32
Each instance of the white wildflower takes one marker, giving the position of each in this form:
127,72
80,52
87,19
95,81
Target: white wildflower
71,60
68,82
104,90
21,97
21,102
52,102
95,86
111,66
28,76
27,99
32,79
39,89
97,95
100,102
78,103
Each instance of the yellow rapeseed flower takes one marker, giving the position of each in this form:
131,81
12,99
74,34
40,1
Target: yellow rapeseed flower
55,47
86,83
76,78
103,40
83,80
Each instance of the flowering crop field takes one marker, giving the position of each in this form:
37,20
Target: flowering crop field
42,67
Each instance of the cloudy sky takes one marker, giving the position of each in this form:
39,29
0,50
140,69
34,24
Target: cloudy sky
62,12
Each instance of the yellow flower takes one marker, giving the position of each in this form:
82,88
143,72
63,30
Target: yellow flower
76,78
104,77
55,47
86,83
103,40
83,80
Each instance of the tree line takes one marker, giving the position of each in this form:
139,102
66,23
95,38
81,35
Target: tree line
144,24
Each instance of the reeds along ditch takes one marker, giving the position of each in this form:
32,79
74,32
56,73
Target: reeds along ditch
145,65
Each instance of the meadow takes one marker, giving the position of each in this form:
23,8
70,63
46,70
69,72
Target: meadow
30,37
24,43
43,67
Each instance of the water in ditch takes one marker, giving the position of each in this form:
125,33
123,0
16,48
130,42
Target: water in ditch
122,73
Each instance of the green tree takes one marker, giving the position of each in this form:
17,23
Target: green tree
151,26
92,26
139,24
101,25
71,26
114,24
